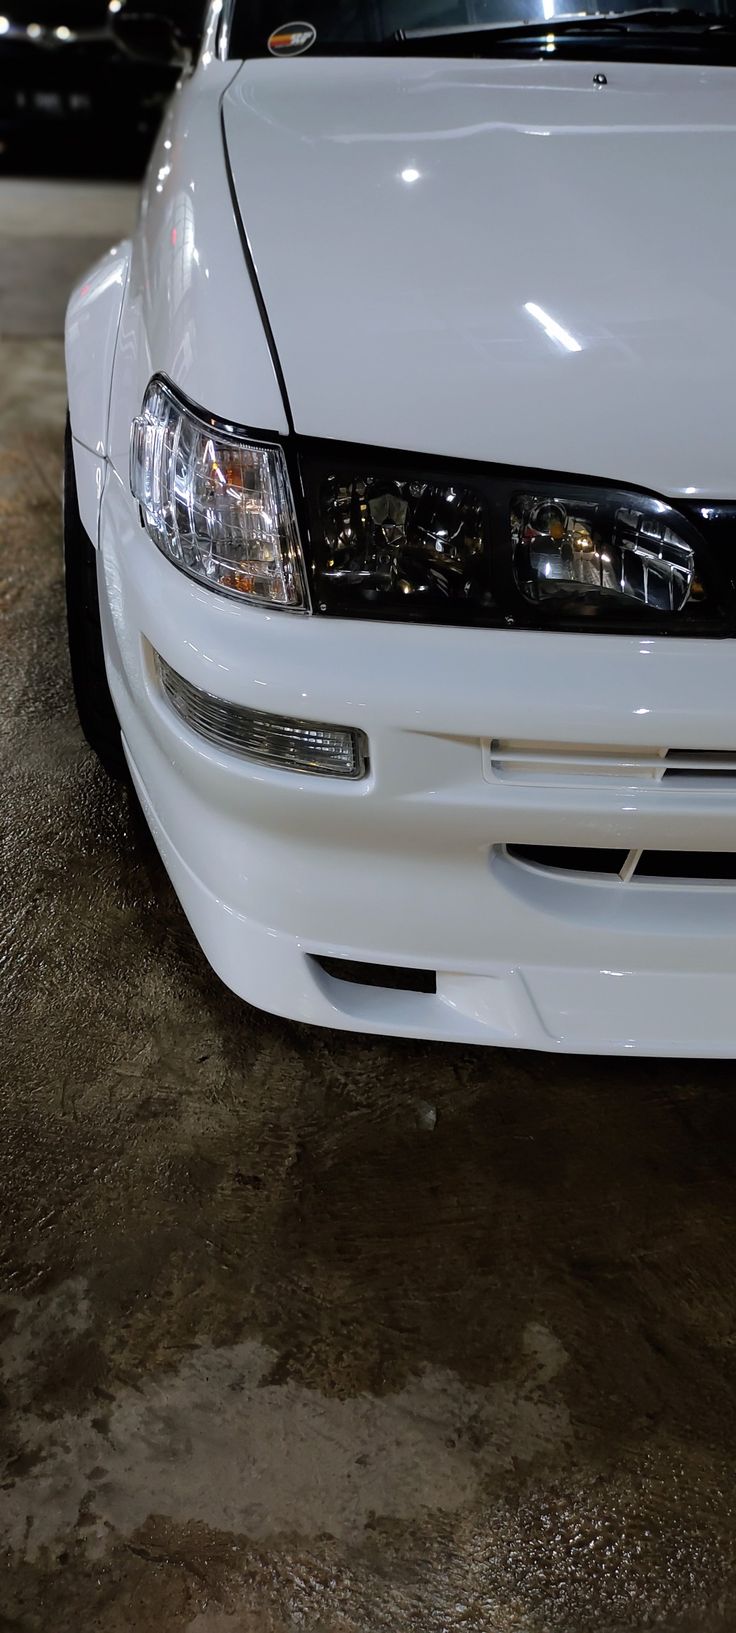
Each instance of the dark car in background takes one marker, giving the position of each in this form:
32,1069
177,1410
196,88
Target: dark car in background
83,83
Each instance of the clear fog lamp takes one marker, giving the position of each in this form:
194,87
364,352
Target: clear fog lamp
217,504
277,740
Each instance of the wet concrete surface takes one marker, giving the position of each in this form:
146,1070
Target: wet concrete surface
300,1331
50,232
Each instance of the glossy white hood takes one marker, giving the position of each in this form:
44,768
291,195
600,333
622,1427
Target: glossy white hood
499,260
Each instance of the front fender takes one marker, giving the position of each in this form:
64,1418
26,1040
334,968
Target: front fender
190,311
90,335
90,338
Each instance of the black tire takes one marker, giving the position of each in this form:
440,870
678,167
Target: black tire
95,707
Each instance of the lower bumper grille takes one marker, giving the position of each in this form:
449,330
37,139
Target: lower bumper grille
632,866
396,977
574,764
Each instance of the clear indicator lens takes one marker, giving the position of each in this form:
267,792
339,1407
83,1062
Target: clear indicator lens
277,740
218,506
621,547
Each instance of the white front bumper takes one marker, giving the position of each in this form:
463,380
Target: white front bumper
274,867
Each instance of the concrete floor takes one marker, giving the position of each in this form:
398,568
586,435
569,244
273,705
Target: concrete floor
300,1331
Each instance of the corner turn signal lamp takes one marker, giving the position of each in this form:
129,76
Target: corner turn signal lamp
218,505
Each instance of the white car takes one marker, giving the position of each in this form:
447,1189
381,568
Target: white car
401,518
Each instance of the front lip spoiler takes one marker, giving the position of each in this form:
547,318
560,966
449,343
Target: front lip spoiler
526,1007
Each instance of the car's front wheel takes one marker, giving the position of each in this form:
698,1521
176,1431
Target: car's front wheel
95,707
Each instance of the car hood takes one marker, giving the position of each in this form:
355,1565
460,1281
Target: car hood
500,260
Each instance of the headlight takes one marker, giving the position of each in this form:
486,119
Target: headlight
394,538
388,545
218,505
586,548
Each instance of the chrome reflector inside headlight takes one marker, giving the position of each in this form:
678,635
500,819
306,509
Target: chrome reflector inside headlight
277,740
216,503
395,536
390,546
583,546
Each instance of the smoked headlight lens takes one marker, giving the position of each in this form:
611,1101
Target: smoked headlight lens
391,537
217,504
388,546
592,548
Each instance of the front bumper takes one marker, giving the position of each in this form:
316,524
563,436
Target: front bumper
275,868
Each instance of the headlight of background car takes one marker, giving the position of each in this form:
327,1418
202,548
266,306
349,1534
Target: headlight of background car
218,505
595,548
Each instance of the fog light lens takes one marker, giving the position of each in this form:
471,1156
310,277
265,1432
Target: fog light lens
273,739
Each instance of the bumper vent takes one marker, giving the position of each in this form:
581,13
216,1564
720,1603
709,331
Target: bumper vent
567,764
397,977
630,867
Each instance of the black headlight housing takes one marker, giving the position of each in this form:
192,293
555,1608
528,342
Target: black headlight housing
397,537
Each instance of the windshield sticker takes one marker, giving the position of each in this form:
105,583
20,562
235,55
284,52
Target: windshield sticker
291,39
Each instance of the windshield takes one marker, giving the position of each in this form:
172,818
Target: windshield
263,26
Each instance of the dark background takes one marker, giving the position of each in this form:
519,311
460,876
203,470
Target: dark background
83,83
